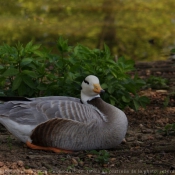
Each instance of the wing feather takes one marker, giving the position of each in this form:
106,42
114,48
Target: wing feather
36,112
57,98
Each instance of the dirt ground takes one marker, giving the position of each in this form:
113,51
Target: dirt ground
146,151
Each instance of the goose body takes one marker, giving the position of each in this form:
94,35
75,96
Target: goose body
65,122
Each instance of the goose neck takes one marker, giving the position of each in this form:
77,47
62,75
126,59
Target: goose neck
100,105
85,98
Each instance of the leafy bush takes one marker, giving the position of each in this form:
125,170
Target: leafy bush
102,156
157,82
31,71
169,129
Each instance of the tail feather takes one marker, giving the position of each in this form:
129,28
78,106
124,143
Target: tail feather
13,98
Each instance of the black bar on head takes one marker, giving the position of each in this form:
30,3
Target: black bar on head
86,81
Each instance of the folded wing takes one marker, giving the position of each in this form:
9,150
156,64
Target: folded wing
39,111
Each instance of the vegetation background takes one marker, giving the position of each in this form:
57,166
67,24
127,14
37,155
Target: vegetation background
139,29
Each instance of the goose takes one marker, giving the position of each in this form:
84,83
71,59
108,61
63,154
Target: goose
65,124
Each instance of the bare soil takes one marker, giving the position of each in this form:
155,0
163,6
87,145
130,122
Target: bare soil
146,151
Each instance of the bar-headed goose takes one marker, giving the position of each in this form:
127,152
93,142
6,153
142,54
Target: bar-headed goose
61,124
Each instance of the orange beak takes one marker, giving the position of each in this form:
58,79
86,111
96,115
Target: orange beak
97,89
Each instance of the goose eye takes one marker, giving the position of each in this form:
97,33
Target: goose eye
86,82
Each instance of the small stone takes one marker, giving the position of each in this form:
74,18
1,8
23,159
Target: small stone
162,91
81,163
1,164
113,159
131,133
45,172
13,166
160,122
29,171
141,126
105,165
74,162
90,156
147,131
127,161
130,139
157,136
158,73
20,163
131,110
112,165
150,158
148,72
147,137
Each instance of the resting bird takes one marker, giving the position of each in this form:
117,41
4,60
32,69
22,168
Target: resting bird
65,124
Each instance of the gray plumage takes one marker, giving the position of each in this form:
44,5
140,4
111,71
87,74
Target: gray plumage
65,123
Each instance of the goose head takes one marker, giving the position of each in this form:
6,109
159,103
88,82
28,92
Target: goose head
90,88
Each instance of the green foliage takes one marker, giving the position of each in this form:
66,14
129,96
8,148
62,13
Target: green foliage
166,101
27,167
69,168
169,129
31,71
22,69
156,82
40,173
102,156
172,51
135,31
9,141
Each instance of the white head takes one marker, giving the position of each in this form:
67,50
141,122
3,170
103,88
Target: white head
90,88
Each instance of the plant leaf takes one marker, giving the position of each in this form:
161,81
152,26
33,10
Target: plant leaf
126,99
26,61
16,83
28,81
136,104
10,72
1,67
42,87
22,90
30,73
